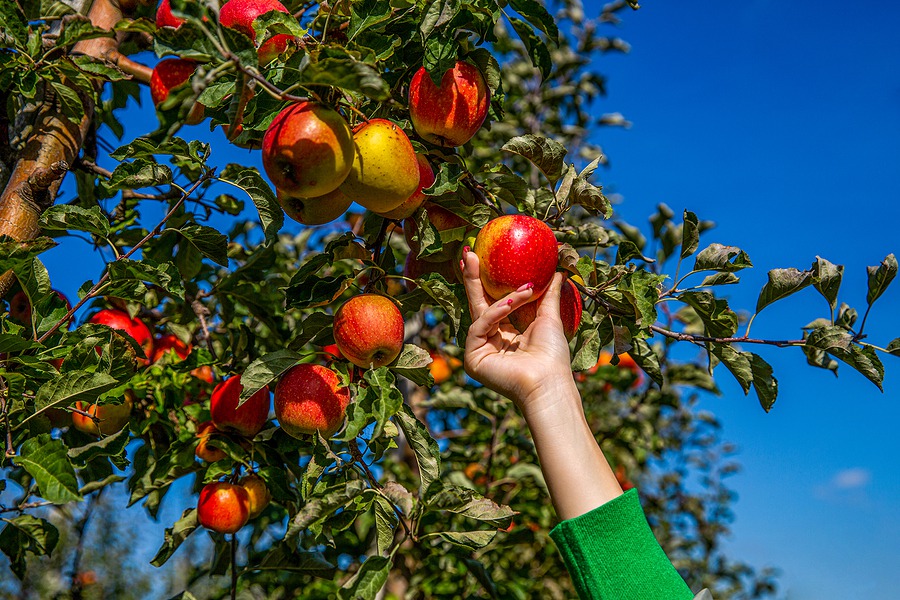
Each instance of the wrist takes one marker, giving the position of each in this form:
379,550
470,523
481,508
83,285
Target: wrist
555,402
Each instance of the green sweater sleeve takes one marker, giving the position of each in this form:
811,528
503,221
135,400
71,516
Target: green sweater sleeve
611,554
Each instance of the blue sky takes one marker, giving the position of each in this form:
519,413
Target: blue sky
780,121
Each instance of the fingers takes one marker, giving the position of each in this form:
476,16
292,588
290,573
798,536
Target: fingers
485,325
478,302
548,306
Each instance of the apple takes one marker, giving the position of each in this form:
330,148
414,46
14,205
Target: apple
368,329
121,321
515,250
415,267
310,398
112,417
307,150
204,450
444,221
442,367
165,18
163,344
240,14
570,309
169,74
315,211
451,113
385,170
409,206
223,507
258,493
249,419
332,352
20,307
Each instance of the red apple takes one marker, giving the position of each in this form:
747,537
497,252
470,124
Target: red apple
112,417
165,18
515,250
257,492
169,74
449,114
310,398
120,321
223,507
368,329
163,344
315,211
307,150
444,221
570,309
249,419
204,450
333,351
240,14
385,171
409,206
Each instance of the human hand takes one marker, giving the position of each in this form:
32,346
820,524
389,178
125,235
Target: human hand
521,366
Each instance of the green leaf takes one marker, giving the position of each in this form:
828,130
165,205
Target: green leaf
438,14
379,399
720,320
534,46
71,387
11,343
139,173
175,536
590,197
471,540
437,288
546,154
14,22
165,275
645,357
26,534
69,101
14,253
894,347
98,68
342,70
721,278
764,382
717,257
587,349
111,446
276,22
640,288
819,358
386,522
838,342
428,455
690,234
324,504
737,362
535,13
270,214
208,241
880,278
782,283
77,28
64,217
413,364
47,461
368,581
366,15
828,280
266,369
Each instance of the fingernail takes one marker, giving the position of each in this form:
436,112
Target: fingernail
509,301
466,249
524,287
462,264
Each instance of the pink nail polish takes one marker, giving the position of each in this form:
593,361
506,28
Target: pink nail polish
529,285
466,250
462,265
524,287
509,301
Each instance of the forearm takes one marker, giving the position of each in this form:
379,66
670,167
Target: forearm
577,473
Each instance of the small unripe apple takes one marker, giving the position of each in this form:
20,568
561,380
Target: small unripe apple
368,329
249,419
165,17
310,398
449,114
409,206
315,211
223,507
112,418
240,14
204,450
121,321
307,150
169,74
258,493
385,171
515,250
570,309
444,221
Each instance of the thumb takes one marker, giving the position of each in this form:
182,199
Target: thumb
548,307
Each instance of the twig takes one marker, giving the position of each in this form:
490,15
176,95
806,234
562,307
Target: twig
4,408
690,337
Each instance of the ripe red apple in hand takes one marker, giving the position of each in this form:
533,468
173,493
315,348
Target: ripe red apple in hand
310,398
249,419
449,114
307,150
165,17
315,211
368,330
120,321
409,206
570,309
444,221
240,14
223,507
169,74
515,250
385,171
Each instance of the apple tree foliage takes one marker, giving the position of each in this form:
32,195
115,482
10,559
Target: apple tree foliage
430,488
